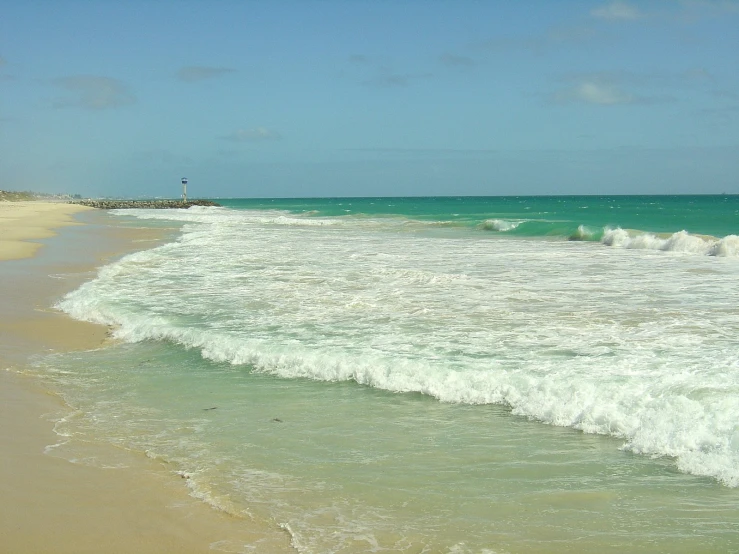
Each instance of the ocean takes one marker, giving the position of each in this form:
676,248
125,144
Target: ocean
482,375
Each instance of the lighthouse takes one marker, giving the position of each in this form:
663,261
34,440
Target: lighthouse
184,190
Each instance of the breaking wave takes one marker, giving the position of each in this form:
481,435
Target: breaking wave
677,242
584,233
501,225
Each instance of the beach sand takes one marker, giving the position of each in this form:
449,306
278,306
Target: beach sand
48,504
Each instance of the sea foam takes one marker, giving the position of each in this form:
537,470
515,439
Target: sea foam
681,241
615,344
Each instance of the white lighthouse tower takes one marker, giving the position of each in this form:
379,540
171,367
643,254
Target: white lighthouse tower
184,190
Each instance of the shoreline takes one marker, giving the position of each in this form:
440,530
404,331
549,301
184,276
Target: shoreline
50,504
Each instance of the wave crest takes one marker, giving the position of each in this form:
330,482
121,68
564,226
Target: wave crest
501,225
681,241
583,233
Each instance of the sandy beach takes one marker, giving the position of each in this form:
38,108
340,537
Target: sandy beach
50,504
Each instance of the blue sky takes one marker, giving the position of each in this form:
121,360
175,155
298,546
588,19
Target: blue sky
364,98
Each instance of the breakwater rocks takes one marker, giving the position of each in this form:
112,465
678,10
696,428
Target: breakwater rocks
142,204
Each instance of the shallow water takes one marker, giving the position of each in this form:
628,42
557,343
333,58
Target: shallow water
351,468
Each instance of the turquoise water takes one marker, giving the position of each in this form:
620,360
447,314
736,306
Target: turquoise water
556,216
434,374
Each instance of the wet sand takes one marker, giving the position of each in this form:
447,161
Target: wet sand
48,504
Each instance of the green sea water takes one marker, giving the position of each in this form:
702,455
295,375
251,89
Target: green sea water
537,216
431,374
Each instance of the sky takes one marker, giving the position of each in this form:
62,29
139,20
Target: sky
312,98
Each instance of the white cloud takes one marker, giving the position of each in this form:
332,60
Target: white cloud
93,92
194,73
608,88
598,93
617,11
252,135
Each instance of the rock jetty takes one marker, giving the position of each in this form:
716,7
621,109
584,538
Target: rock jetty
142,204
